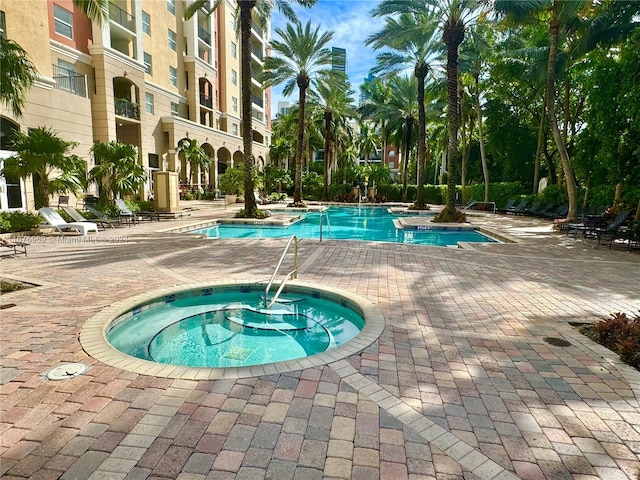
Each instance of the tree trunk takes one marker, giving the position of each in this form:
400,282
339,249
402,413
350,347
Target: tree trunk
421,73
405,159
327,151
617,197
303,83
246,6
569,178
40,190
452,40
483,157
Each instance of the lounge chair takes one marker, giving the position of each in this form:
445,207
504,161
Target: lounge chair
53,219
17,247
77,216
282,198
533,209
101,216
260,200
611,228
559,212
520,208
630,234
508,205
126,213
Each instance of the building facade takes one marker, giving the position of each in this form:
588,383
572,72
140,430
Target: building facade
146,77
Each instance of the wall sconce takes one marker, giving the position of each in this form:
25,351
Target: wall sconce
125,73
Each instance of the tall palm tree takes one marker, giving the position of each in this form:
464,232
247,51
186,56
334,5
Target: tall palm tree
246,7
335,98
195,156
401,110
301,55
46,158
475,55
117,171
410,36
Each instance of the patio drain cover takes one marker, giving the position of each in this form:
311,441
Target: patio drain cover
557,342
69,370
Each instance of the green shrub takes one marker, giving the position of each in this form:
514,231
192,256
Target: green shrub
232,181
18,221
312,185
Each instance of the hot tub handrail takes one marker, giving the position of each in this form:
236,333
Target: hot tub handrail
292,274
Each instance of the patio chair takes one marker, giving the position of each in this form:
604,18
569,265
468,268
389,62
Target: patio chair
508,205
520,208
53,219
17,247
282,198
611,228
260,200
126,213
629,234
78,217
103,217
559,212
533,209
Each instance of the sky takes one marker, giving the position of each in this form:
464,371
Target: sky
351,23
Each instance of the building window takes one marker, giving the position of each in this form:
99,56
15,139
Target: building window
172,40
234,104
148,103
173,76
63,20
234,77
171,6
154,160
234,129
234,50
146,23
147,63
174,109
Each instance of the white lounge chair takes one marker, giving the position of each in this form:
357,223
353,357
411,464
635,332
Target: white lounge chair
54,219
77,217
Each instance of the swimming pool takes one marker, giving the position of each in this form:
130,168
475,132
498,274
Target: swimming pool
351,223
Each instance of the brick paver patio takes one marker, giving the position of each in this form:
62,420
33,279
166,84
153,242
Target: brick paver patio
461,383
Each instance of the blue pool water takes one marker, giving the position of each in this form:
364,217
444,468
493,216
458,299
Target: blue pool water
349,223
232,328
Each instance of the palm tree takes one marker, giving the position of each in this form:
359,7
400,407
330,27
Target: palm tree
335,99
195,156
45,157
411,38
117,171
246,7
475,61
17,75
400,110
95,10
454,15
301,55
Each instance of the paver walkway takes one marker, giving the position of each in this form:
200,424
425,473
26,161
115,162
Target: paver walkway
461,383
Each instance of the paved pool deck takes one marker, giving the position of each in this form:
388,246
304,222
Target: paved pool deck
461,383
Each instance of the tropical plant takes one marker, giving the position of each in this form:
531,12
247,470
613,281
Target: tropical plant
17,75
46,158
300,55
195,156
246,7
409,31
232,182
117,171
334,97
95,10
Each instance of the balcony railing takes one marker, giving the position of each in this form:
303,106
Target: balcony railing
121,17
204,35
206,100
70,81
257,101
128,109
258,116
257,51
256,28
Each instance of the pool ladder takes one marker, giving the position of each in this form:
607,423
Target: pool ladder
292,274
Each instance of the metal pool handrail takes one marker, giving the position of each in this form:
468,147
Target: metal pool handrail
291,274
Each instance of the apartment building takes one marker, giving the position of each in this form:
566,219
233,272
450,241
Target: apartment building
146,77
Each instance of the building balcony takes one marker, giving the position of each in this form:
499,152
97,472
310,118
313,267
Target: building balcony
206,101
204,35
259,101
121,17
257,52
70,81
128,109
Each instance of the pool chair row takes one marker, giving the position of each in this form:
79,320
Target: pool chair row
602,227
536,209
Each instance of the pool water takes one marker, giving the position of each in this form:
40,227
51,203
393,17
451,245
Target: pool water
350,223
234,329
